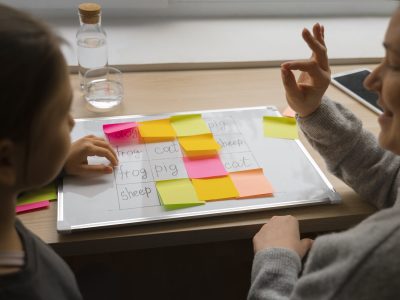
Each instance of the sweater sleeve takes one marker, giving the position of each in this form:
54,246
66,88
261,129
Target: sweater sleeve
353,154
274,274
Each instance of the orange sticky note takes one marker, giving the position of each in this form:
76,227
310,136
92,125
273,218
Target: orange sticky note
199,145
156,131
217,188
251,183
289,112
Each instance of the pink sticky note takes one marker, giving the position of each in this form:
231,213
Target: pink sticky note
203,168
288,112
31,206
121,133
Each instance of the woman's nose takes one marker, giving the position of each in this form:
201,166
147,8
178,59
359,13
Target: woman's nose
373,82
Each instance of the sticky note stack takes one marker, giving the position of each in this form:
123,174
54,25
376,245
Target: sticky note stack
157,131
203,165
36,199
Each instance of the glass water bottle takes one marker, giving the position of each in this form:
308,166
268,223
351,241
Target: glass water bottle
91,40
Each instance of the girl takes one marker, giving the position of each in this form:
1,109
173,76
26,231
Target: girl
35,127
363,262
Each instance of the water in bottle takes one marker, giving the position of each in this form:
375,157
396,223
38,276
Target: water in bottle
91,40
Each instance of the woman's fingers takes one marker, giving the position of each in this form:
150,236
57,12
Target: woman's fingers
309,66
317,31
319,50
290,84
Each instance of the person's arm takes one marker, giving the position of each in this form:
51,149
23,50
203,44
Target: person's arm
277,261
350,152
274,274
360,263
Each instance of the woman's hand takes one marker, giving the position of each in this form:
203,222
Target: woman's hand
77,163
281,232
304,96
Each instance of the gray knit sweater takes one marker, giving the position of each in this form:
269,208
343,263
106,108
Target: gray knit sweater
360,263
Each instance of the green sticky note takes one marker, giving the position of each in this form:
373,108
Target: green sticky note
48,192
188,125
177,193
280,127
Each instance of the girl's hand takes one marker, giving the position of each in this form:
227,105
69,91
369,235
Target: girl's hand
304,96
281,232
77,163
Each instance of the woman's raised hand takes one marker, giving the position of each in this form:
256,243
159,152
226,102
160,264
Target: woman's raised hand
304,96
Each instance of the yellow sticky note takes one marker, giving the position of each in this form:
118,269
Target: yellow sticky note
157,130
200,154
280,127
177,193
251,183
204,142
48,192
215,188
188,125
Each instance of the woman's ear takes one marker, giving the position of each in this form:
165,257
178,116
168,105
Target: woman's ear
8,166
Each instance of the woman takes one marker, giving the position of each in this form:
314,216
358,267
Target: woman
363,262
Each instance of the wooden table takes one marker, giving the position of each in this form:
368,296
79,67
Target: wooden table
171,91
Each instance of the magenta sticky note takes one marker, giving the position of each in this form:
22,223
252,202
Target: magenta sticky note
203,168
121,133
31,206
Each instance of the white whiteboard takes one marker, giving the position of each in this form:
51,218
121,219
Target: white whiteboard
85,203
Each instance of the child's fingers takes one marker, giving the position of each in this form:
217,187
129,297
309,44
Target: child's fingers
97,138
101,142
93,138
105,145
90,136
318,49
95,169
103,152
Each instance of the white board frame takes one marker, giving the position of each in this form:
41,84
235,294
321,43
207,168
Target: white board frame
330,196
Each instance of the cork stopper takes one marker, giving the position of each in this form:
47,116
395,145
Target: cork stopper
90,13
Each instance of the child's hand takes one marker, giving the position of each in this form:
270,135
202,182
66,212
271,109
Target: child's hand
281,232
304,96
77,163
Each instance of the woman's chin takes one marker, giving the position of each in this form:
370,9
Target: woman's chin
388,143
